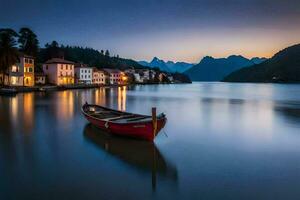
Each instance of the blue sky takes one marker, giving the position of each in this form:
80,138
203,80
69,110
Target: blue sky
179,30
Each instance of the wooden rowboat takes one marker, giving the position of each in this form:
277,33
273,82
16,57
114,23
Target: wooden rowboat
123,123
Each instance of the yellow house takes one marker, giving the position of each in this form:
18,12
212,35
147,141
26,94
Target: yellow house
21,73
28,64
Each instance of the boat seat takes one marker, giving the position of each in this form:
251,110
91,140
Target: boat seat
122,118
138,118
101,112
119,117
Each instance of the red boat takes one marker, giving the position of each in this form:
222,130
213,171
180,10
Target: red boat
123,123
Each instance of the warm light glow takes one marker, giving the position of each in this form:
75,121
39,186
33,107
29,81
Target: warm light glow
66,106
14,68
122,98
14,80
28,107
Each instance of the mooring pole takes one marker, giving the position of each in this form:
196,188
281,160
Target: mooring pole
154,121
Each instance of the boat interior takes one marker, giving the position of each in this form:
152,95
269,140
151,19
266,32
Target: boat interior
115,116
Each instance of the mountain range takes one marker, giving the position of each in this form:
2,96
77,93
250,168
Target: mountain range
215,69
168,66
283,67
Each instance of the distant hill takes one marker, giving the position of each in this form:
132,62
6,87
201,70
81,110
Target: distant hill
168,66
88,56
215,69
283,67
257,60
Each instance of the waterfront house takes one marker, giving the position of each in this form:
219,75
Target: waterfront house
21,73
40,78
59,71
83,74
170,77
138,77
146,75
114,76
27,63
98,77
162,77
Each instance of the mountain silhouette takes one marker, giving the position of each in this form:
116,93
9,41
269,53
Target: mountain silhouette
168,66
283,67
215,69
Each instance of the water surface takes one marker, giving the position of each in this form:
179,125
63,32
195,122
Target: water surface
222,141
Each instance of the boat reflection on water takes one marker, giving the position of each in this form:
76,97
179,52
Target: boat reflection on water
140,154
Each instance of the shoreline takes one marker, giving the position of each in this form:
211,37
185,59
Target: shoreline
12,91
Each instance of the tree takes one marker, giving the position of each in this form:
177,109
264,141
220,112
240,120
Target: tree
102,52
8,50
28,41
53,51
107,53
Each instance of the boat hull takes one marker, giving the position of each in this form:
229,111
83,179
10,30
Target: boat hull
139,130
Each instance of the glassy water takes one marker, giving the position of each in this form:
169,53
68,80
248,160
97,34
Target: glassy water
222,141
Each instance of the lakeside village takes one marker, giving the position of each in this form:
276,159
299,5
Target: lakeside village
58,73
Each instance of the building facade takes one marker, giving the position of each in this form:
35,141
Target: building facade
83,74
21,73
114,76
59,71
27,63
98,77
40,79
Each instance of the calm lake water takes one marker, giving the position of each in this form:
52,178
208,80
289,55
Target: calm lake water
222,141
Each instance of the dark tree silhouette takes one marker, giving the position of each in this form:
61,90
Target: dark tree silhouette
28,41
8,50
107,53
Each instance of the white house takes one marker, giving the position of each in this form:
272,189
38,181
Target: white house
83,74
59,71
98,77
137,77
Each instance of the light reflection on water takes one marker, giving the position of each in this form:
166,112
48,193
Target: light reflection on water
234,141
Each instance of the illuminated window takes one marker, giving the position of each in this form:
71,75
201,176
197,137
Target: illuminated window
14,80
14,68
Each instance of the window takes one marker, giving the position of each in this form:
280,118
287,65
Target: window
61,66
30,61
67,67
26,60
46,67
14,68
30,69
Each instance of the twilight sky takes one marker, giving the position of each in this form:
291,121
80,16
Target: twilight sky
179,30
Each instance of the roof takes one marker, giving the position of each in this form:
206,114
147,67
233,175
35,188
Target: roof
95,69
21,54
81,65
59,61
112,70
